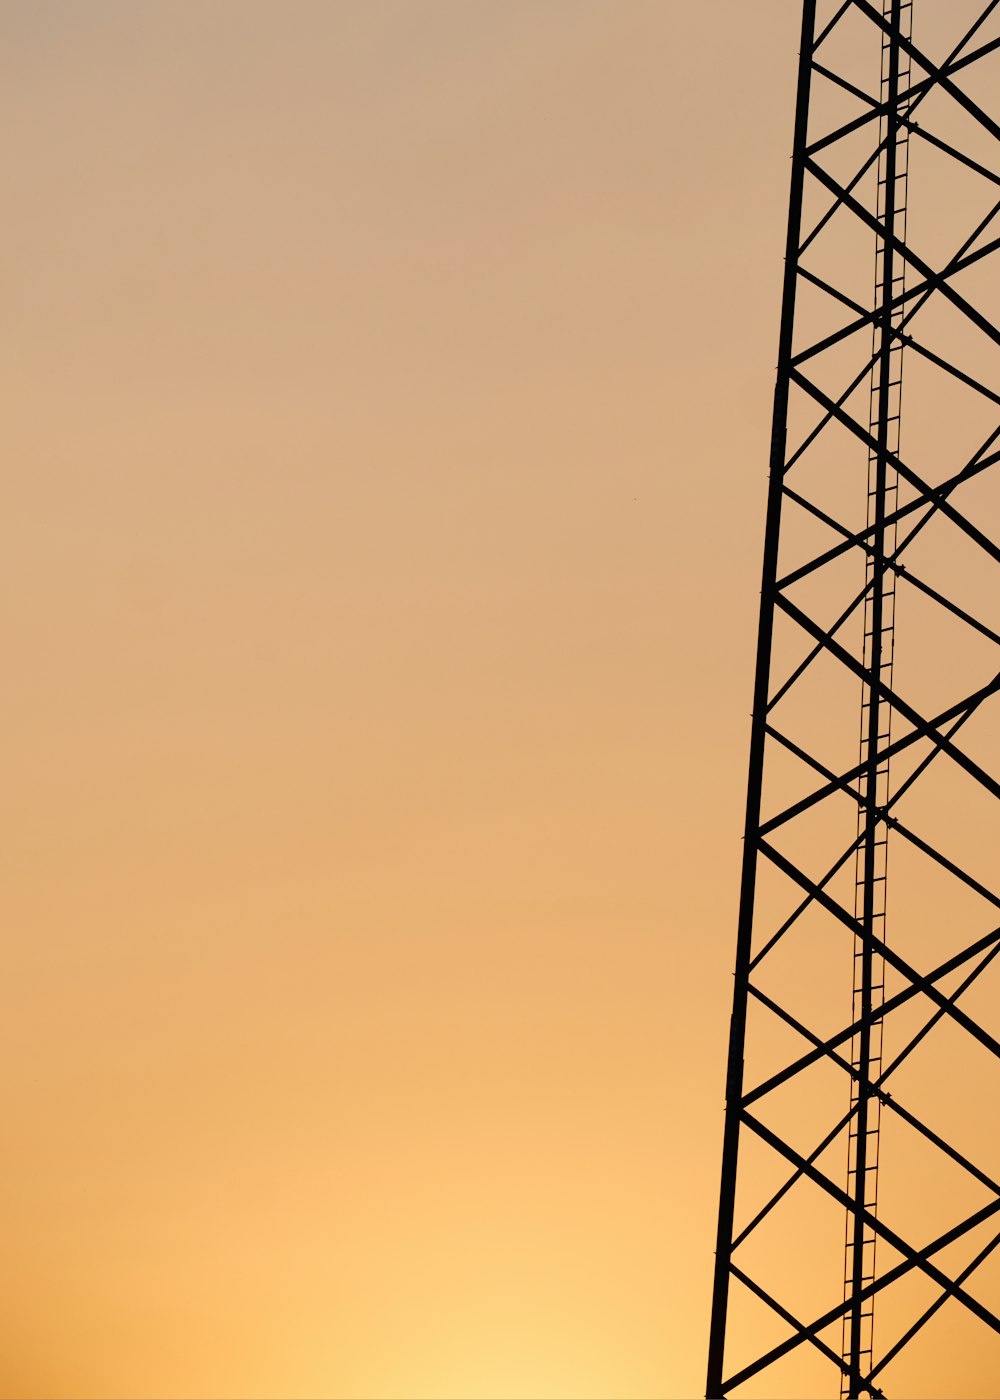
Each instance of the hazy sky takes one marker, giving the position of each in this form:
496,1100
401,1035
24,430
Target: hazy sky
386,399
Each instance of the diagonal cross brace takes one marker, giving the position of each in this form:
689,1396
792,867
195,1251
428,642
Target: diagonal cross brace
932,493
915,93
894,960
963,708
940,77
960,259
893,801
907,1115
914,1256
897,1060
933,281
807,1333
925,729
988,941
915,1259
892,822
976,465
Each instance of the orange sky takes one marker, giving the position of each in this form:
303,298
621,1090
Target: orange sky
387,394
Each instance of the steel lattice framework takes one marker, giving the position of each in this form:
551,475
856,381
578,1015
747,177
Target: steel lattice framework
863,1068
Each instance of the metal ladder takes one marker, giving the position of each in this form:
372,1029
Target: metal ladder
873,871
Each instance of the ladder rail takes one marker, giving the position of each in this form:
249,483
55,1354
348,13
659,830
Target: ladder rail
871,862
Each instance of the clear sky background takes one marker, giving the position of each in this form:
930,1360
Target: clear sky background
386,398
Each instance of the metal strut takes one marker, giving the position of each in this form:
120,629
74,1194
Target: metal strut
758,732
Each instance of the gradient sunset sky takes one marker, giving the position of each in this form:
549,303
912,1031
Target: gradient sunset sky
387,395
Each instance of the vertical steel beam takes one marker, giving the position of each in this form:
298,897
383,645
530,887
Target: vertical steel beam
737,1030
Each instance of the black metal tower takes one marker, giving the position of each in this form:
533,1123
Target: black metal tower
861,1152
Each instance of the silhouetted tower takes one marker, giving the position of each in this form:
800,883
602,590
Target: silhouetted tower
864,1062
